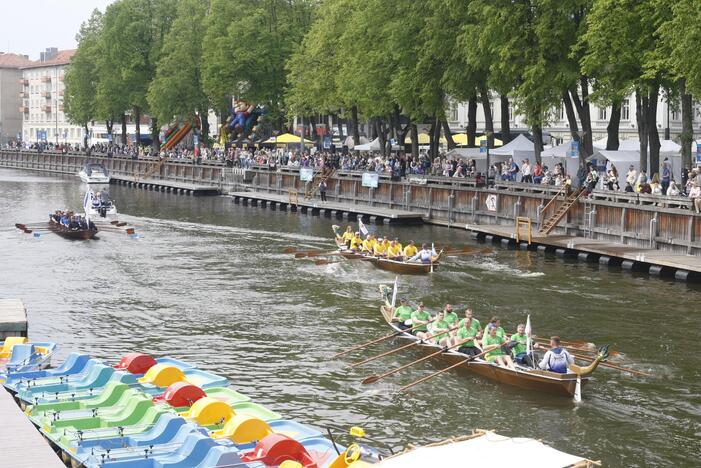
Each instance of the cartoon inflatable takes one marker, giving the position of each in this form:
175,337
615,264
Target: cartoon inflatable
243,119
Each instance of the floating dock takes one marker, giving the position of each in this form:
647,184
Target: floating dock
13,318
164,185
22,445
314,206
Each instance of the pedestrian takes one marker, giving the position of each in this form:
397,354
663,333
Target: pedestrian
322,190
666,175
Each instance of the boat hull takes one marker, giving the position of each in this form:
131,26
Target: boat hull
537,380
395,266
80,234
94,179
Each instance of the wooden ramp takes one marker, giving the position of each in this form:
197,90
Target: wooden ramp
22,444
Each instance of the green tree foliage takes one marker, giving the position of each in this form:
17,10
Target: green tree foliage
82,76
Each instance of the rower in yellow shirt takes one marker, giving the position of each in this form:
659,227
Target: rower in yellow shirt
369,244
348,235
410,250
356,243
380,249
394,251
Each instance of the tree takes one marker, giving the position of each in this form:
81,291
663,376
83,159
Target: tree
176,89
82,75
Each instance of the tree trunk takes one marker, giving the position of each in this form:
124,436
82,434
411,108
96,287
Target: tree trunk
687,135
204,120
124,129
641,100
155,142
471,121
612,140
572,123
109,123
537,142
584,113
435,148
448,135
381,136
137,123
505,125
488,120
402,135
653,134
414,141
85,136
354,117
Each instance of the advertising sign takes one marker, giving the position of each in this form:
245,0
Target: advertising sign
370,179
492,202
306,174
483,146
574,149
698,153
327,142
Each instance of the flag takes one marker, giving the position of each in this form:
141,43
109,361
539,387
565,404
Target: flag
394,292
362,227
87,202
529,351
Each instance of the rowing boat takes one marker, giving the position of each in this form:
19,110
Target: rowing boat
395,266
67,233
522,377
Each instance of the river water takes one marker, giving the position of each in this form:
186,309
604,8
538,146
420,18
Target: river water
208,282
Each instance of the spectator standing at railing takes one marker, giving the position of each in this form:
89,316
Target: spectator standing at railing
666,175
631,178
537,173
526,172
673,190
695,196
642,180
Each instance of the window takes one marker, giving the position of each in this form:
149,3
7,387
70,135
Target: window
453,113
603,113
511,111
625,109
675,114
491,108
560,112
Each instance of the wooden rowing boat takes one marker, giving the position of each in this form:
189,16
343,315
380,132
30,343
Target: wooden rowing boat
522,377
74,234
395,266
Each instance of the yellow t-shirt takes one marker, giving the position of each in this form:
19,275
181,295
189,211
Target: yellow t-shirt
410,251
369,245
356,243
394,251
380,249
347,236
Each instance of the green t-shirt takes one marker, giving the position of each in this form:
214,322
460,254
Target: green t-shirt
451,318
423,316
436,327
403,313
465,333
475,325
489,341
500,332
521,346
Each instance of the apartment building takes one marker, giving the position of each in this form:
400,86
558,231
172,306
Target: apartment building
10,99
42,90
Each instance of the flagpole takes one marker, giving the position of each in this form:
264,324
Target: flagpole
394,292
529,342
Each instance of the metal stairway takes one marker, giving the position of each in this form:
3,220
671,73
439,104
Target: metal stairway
551,223
325,173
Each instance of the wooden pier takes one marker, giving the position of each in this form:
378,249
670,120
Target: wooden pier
351,212
13,318
22,444
164,185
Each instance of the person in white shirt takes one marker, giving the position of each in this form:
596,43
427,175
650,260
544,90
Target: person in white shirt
526,172
695,196
672,190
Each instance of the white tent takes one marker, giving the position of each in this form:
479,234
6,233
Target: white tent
519,148
621,159
350,141
374,145
668,149
561,154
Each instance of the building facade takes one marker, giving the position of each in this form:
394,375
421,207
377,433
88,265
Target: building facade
42,90
10,99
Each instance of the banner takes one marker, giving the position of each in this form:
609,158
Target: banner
698,153
306,174
370,179
491,202
484,148
574,149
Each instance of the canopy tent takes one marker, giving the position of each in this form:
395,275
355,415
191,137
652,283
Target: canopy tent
561,154
350,141
286,139
528,452
461,139
621,159
374,145
519,148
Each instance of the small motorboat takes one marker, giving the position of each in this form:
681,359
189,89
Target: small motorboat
93,173
100,205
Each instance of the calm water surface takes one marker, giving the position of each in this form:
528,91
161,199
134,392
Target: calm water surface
208,282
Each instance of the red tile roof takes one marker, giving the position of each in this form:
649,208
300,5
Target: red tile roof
8,60
62,58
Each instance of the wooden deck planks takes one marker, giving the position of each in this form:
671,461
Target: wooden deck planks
13,318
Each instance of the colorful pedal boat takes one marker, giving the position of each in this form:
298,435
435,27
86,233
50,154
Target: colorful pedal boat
73,364
155,381
17,354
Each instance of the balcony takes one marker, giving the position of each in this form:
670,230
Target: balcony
23,82
46,79
46,109
23,94
24,109
46,94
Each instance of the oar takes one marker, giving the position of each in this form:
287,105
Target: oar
324,262
121,224
378,340
375,378
612,366
307,253
464,361
114,222
373,358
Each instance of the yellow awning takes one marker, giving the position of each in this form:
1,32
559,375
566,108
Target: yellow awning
461,139
424,139
285,139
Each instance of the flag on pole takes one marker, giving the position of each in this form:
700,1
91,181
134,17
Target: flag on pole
362,227
529,351
87,202
394,292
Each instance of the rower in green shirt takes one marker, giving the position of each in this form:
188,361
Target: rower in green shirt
496,323
420,317
440,330
474,323
519,346
466,335
492,340
402,315
450,316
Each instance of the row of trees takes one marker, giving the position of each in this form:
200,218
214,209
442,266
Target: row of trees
397,63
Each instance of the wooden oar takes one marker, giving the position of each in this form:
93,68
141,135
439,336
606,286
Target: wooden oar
375,378
114,222
324,262
373,358
386,337
312,253
612,366
464,361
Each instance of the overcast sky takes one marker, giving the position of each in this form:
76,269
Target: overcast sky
29,26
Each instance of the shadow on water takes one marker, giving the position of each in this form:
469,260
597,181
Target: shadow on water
208,282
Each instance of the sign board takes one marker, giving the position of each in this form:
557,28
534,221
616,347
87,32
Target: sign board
320,129
306,174
370,179
698,153
484,148
492,202
574,149
417,180
195,139
109,137
327,142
